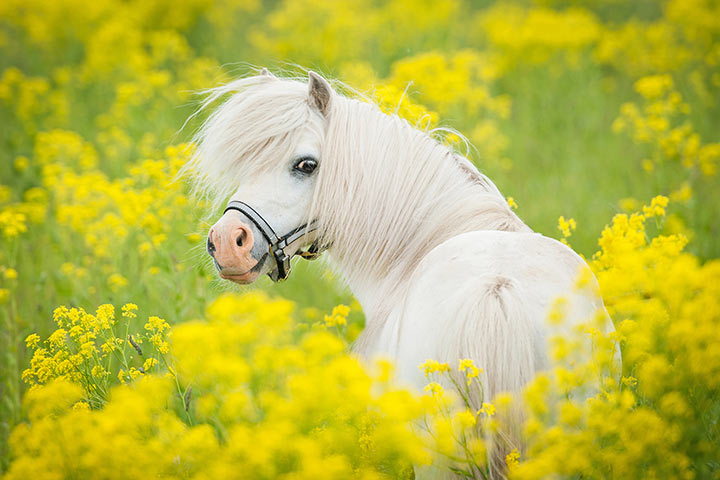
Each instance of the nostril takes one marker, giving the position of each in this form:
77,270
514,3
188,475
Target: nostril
240,240
210,246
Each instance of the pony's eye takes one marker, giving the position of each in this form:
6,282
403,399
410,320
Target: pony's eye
306,166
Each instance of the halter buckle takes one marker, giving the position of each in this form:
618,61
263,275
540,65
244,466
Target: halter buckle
276,244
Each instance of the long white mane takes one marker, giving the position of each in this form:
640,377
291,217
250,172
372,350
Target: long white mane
386,192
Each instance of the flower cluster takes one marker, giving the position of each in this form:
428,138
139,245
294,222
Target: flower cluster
461,419
97,351
662,124
246,395
664,304
566,227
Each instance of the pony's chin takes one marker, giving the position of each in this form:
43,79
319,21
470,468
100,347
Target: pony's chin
244,279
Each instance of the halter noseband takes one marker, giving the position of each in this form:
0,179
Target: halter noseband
277,245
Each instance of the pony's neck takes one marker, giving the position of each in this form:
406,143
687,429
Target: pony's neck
388,194
379,288
457,200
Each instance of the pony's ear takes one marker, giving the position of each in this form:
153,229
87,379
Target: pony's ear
320,92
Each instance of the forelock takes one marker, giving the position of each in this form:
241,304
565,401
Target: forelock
255,126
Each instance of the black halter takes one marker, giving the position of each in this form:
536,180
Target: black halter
277,245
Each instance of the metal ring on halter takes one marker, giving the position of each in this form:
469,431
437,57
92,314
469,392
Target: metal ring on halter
276,244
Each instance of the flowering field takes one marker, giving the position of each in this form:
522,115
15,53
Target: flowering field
122,355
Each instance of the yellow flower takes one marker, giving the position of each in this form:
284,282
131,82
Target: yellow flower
10,273
471,371
628,204
629,381
128,310
5,193
81,406
434,389
117,281
145,247
12,222
682,194
465,418
87,349
57,338
156,324
159,239
512,203
654,86
558,308
657,207
32,340
105,315
512,459
149,363
566,227
21,163
488,409
433,366
337,317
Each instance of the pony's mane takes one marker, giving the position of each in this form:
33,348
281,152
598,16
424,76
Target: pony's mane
386,192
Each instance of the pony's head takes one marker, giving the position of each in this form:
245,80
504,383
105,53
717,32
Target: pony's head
264,146
306,168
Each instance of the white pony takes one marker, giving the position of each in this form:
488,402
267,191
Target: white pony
443,268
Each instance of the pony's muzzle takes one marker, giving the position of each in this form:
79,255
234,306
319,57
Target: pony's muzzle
230,243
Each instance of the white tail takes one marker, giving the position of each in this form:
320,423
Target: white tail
496,331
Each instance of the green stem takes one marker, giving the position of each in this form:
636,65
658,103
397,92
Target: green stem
181,393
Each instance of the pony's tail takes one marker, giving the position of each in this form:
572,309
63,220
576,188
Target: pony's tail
496,332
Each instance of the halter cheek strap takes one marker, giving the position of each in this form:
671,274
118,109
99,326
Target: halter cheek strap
277,245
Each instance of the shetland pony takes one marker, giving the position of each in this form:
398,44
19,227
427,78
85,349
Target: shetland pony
428,245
